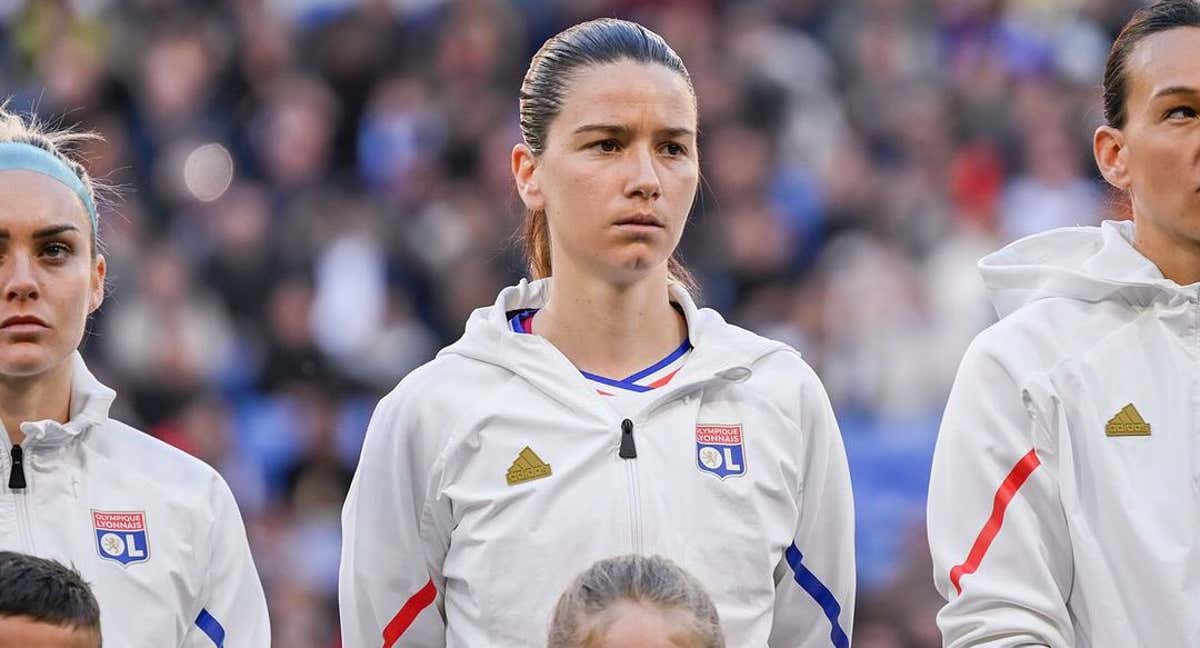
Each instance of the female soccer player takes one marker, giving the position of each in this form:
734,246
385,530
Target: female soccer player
597,411
1064,508
628,600
155,532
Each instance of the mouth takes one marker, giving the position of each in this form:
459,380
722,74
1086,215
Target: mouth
640,221
23,323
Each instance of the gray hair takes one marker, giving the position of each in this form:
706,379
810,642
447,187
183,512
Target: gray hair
585,610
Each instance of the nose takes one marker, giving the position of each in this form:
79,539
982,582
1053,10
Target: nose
644,182
19,281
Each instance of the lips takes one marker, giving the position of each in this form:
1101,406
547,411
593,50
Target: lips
23,321
644,220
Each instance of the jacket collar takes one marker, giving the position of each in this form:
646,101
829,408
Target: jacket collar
90,403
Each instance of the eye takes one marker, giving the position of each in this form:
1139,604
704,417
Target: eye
674,149
1181,112
56,251
609,145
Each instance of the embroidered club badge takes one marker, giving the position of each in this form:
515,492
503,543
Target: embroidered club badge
719,450
121,536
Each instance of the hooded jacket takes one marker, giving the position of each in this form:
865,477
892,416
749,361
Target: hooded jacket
1064,505
154,531
495,474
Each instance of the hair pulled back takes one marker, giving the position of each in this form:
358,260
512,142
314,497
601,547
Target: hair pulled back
595,42
1145,22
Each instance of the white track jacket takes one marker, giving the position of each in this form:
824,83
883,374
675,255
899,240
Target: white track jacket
492,476
1064,508
154,531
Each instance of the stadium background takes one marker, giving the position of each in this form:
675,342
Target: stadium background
314,194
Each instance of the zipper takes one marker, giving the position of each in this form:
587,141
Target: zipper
16,472
18,486
628,453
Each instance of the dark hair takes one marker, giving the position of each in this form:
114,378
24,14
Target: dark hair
47,592
585,610
1146,21
595,42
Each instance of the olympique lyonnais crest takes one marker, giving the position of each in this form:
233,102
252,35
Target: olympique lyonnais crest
719,450
121,536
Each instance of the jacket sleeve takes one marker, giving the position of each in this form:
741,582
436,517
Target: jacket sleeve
234,611
997,531
815,579
387,587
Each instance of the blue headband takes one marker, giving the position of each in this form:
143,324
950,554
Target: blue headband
18,155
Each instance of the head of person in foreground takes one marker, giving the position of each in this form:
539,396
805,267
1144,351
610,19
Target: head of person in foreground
1149,145
635,602
51,275
608,167
45,605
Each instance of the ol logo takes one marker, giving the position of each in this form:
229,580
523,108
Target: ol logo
719,450
121,536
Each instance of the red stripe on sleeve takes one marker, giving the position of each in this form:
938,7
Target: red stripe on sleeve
408,613
1008,489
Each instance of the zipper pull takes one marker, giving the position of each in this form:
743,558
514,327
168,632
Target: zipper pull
628,449
16,478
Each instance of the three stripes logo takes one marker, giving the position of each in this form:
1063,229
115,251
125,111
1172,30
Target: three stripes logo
527,467
1127,422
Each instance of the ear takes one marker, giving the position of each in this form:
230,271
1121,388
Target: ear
99,271
524,163
1108,145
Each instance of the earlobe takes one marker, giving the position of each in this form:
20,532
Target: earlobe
1108,146
524,164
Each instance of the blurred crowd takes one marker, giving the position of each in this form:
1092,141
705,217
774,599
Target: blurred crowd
308,197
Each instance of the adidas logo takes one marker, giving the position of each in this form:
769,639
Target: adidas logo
1127,422
527,466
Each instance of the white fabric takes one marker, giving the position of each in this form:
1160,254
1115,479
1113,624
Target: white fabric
194,545
1101,545
430,500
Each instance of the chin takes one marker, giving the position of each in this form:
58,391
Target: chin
22,360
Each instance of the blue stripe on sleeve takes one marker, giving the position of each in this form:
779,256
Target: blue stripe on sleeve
821,594
211,627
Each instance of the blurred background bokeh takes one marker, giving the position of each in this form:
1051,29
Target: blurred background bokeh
313,194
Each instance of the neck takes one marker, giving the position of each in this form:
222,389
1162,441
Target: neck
607,329
35,398
1177,258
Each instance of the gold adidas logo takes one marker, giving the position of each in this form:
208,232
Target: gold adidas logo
1127,422
527,467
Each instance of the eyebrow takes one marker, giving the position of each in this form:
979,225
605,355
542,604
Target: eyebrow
671,131
1176,90
45,232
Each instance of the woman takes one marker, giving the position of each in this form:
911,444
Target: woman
517,458
1064,504
155,532
628,599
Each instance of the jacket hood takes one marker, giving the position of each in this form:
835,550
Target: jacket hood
1090,264
720,350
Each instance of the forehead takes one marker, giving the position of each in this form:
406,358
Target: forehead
627,93
23,632
1166,59
29,200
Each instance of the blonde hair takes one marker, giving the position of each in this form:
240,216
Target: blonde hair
585,610
62,143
